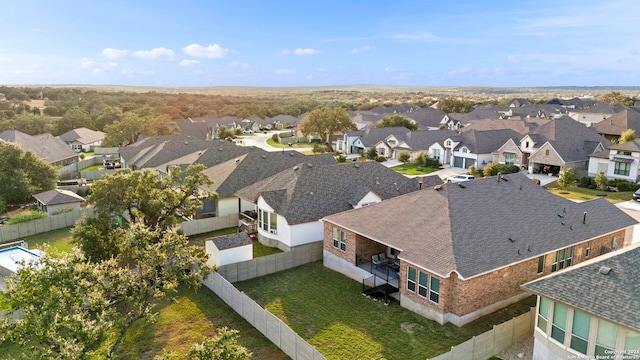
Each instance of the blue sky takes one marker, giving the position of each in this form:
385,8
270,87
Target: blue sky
317,43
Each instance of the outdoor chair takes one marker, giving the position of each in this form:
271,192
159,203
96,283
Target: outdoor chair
375,259
383,258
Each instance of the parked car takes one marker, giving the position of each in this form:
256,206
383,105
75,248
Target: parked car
247,131
636,195
460,178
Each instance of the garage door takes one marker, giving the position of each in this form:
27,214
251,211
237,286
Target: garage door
470,162
457,162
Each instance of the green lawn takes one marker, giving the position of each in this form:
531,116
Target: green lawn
328,310
258,249
57,240
413,169
92,168
286,145
578,193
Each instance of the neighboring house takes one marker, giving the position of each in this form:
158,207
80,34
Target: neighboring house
518,102
618,161
229,249
552,147
58,200
616,124
593,114
474,148
432,119
83,139
461,251
45,146
415,142
290,204
589,311
357,142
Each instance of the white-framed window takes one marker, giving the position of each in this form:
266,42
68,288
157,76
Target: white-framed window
436,154
411,279
562,258
465,150
632,344
447,143
434,290
580,331
543,314
559,322
606,338
509,158
268,221
541,264
381,151
422,284
622,168
587,251
339,239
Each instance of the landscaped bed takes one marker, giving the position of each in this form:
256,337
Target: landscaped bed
329,311
579,193
413,169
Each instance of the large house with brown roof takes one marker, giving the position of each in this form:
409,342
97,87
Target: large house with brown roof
45,146
615,125
456,252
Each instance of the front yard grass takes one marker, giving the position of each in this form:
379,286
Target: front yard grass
413,169
578,193
328,310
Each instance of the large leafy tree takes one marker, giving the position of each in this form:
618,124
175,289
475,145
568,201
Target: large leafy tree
451,105
615,97
627,136
125,130
22,174
326,121
396,120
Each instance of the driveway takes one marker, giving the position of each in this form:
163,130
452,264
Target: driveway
544,179
632,208
259,140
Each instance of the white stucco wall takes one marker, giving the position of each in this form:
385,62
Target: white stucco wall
227,256
228,206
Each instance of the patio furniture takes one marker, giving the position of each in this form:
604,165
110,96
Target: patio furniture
375,259
383,258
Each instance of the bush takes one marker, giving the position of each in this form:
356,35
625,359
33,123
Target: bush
341,159
319,148
421,159
404,156
623,185
492,169
31,215
63,210
601,181
381,159
585,182
371,153
275,138
432,163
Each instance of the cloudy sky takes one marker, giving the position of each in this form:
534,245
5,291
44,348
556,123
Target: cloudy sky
315,43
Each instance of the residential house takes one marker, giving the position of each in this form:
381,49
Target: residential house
58,200
474,148
617,161
290,204
594,114
552,147
45,146
415,142
354,143
590,311
616,124
83,139
518,102
460,251
431,119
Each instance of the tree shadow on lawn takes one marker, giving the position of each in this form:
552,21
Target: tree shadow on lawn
328,310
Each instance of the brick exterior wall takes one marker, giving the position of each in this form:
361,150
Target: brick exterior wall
509,147
350,253
540,156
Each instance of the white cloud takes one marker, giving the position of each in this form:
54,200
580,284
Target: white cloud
420,36
131,72
361,49
210,52
307,51
390,69
283,52
240,65
459,71
513,59
97,67
186,62
285,72
111,53
154,53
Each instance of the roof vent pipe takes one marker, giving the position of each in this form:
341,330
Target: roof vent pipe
419,185
584,218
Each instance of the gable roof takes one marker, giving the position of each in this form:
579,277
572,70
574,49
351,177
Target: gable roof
58,196
466,227
82,135
306,193
423,139
372,136
578,285
45,146
571,140
484,142
620,122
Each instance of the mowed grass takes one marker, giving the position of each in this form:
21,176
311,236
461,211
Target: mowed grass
328,310
258,248
413,169
578,193
52,241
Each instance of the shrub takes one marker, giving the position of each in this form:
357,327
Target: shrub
432,163
341,159
319,148
371,153
584,182
31,215
63,210
275,138
567,178
381,159
492,169
624,185
601,181
404,156
421,159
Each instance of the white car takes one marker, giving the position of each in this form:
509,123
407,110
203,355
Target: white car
247,131
460,178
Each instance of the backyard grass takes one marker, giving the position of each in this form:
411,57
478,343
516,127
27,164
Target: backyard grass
413,169
57,241
328,310
92,168
578,193
258,248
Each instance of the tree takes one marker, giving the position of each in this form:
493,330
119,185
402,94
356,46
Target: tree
22,174
451,105
124,131
421,159
396,120
371,153
325,121
161,125
615,97
223,346
73,119
404,156
601,181
627,136
567,178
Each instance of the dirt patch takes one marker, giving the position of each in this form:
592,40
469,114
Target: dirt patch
411,327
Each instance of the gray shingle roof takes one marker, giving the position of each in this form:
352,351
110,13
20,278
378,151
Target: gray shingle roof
58,196
484,142
620,122
45,146
572,140
303,194
614,296
82,135
467,230
231,241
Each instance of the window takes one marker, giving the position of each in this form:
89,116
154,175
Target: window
509,158
627,153
559,323
543,314
632,344
622,168
580,331
447,143
273,223
588,250
614,243
422,284
561,259
434,293
526,144
382,152
606,338
411,279
436,154
541,264
339,239
268,221
546,152
465,150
